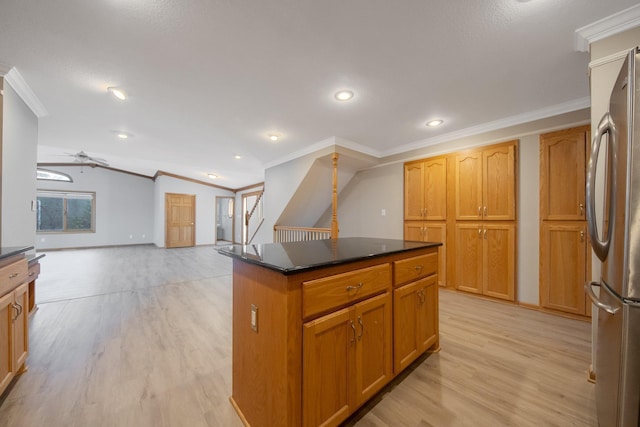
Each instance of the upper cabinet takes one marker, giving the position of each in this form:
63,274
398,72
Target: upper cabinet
563,159
486,182
425,190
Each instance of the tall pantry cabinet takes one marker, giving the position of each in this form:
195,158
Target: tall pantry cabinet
486,220
467,201
425,206
564,244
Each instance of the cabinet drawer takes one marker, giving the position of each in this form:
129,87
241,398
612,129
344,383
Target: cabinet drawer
34,271
321,295
12,275
414,268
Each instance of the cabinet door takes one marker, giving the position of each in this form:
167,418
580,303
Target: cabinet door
414,191
414,230
498,266
427,313
7,314
405,325
469,186
435,172
563,157
374,365
563,266
469,257
21,326
328,397
499,183
437,232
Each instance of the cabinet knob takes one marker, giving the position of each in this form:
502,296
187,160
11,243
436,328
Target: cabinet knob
581,209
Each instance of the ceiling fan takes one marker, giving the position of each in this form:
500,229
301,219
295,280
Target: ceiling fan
82,157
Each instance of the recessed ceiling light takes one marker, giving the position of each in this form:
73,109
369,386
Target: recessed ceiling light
237,157
273,137
434,123
118,93
122,135
344,95
212,175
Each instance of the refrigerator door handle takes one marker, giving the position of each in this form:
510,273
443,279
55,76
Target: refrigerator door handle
588,287
600,247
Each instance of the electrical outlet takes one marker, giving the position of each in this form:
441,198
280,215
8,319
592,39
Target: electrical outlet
254,318
383,212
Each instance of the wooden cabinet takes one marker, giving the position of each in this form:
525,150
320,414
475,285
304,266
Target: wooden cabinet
485,183
311,346
415,323
425,231
14,336
425,190
346,359
564,251
565,258
485,259
563,160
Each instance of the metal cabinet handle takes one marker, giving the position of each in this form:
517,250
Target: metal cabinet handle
361,328
479,231
18,308
11,276
588,287
485,234
485,211
581,236
601,246
479,210
581,209
418,268
353,326
351,288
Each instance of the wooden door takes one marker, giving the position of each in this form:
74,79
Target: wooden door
180,220
414,230
498,266
328,397
21,326
563,266
374,364
469,257
437,232
563,159
414,191
427,313
499,183
405,326
435,196
469,185
7,314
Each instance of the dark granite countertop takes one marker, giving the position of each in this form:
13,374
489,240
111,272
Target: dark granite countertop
294,257
33,258
8,251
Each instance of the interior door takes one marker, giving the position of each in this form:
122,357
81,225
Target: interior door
180,220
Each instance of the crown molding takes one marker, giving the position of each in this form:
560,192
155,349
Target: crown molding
20,86
519,119
606,27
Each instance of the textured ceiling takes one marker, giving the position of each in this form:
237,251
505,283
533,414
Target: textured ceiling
208,80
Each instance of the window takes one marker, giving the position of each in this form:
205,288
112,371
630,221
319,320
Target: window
49,175
65,212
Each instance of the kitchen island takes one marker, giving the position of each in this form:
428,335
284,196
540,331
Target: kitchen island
319,327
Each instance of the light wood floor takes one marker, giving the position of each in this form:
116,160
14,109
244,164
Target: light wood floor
141,336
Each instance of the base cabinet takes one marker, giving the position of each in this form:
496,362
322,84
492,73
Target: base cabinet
485,259
14,338
346,360
416,320
564,252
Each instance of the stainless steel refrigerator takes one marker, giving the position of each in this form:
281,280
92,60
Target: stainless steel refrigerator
616,242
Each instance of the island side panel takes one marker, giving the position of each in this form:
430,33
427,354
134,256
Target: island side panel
266,363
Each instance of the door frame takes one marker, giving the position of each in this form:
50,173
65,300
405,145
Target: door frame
233,219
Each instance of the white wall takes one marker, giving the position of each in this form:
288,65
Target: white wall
205,207
124,209
19,153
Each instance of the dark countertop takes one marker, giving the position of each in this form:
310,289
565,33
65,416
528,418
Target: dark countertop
294,257
33,258
8,251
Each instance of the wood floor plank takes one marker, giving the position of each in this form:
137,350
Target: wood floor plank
140,336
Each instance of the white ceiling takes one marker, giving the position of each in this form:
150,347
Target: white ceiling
210,79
